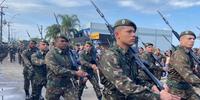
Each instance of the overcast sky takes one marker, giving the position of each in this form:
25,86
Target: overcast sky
182,14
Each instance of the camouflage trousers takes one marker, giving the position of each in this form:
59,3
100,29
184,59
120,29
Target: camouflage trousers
27,82
94,81
37,86
116,95
54,93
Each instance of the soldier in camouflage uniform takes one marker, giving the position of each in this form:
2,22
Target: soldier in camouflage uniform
28,68
60,75
148,57
89,65
119,72
39,66
20,49
181,78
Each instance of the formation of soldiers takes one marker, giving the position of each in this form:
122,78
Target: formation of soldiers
64,70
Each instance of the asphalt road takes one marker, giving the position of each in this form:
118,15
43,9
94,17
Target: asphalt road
11,83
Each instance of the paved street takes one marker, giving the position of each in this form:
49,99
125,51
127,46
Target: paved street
11,83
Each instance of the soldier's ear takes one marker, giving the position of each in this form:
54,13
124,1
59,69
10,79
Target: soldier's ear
117,35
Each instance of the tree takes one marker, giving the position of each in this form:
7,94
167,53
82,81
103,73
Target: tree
52,32
69,25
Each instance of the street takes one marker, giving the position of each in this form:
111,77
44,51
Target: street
11,83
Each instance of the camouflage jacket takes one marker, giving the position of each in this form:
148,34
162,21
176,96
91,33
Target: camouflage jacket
118,67
86,60
181,69
153,68
26,55
39,66
59,68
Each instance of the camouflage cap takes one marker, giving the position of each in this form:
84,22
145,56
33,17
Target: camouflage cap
148,44
62,36
125,22
187,33
32,40
45,41
88,42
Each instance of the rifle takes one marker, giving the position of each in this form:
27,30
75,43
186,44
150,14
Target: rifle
28,34
137,59
178,37
110,28
40,30
173,46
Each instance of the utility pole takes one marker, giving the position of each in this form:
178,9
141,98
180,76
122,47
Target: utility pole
8,23
1,27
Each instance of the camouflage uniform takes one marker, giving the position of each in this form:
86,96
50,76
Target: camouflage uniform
119,75
153,68
39,78
181,77
28,69
86,59
20,50
60,76
12,52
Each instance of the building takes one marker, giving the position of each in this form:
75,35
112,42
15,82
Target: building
155,36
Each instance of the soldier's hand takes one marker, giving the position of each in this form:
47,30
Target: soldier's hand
166,87
94,67
164,95
81,73
155,89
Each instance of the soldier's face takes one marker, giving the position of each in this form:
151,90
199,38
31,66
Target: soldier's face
187,41
32,45
61,43
149,49
126,35
43,46
87,47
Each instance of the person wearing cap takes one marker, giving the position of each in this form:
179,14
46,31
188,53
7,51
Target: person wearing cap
20,49
89,65
60,75
28,68
156,70
119,72
181,78
40,72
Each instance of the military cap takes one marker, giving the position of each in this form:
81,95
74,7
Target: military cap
45,41
125,22
62,36
33,41
187,33
148,44
88,42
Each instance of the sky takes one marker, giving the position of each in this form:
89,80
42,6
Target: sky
24,15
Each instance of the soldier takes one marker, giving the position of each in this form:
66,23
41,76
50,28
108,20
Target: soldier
12,52
148,57
28,69
119,71
181,78
89,65
60,75
20,49
39,66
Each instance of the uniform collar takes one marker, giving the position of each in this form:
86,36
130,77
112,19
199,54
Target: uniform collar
184,49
